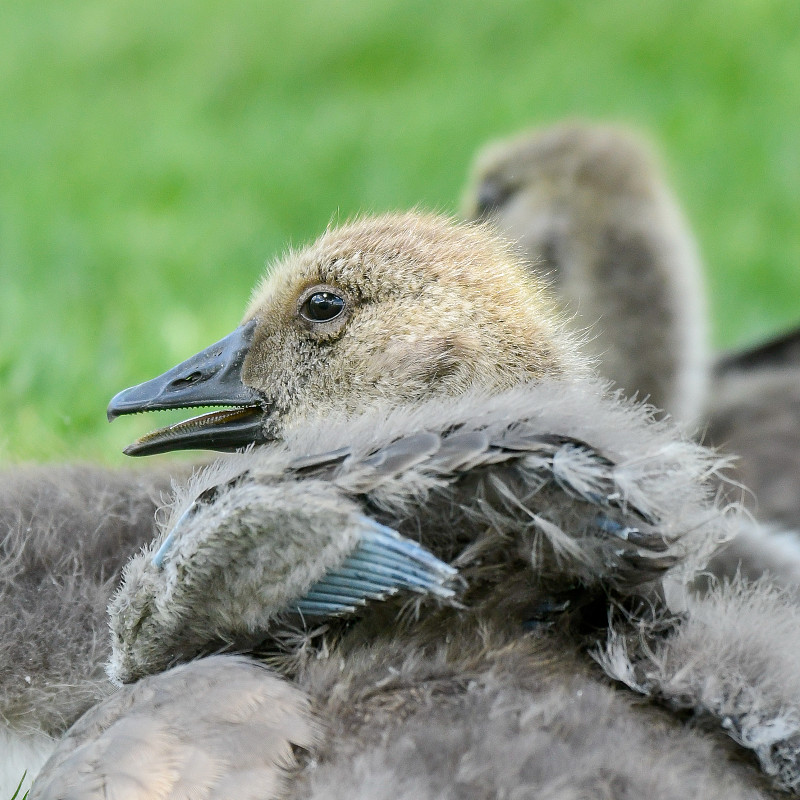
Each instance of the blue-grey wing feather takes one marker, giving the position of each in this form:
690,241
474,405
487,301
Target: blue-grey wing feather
382,564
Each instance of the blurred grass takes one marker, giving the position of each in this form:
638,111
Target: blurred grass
154,155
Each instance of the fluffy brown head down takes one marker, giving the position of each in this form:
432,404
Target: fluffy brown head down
429,308
591,211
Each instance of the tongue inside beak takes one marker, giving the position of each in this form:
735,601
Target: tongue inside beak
219,430
213,377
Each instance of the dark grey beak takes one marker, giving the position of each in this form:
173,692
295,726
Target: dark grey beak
213,377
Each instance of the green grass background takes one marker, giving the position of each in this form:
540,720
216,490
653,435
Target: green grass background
155,155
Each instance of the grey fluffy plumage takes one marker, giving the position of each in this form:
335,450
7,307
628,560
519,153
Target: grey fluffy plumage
489,698
522,715
236,742
67,531
551,485
723,663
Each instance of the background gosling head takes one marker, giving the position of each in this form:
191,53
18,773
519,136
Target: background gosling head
591,211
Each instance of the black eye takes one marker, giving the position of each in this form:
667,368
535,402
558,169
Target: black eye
322,307
491,195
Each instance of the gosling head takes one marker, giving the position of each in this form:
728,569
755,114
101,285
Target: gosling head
590,208
387,310
547,188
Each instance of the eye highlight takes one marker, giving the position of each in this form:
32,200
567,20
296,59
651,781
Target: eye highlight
322,307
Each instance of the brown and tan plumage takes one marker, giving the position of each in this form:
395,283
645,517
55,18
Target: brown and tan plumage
424,548
427,309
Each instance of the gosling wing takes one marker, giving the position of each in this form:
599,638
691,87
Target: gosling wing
391,504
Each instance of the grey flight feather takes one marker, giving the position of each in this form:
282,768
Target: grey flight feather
382,564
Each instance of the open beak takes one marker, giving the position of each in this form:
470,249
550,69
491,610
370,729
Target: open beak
213,377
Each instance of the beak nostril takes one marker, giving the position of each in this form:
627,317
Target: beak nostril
192,377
